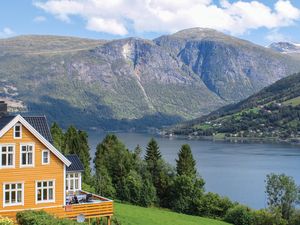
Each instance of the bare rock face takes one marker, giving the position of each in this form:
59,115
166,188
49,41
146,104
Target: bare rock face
135,82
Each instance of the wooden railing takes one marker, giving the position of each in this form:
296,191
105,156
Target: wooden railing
103,208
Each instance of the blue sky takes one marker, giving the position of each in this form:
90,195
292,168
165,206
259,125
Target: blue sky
261,21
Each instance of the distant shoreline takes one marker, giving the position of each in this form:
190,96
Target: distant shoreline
236,139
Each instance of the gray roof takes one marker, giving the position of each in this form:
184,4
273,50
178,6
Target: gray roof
76,165
38,122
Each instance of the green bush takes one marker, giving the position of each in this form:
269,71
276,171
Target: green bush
5,221
239,215
295,219
263,217
30,217
214,206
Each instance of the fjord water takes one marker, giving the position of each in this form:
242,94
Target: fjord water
236,170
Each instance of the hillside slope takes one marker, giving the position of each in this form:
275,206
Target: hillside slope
135,215
274,112
134,83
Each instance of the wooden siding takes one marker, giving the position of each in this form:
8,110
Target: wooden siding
29,175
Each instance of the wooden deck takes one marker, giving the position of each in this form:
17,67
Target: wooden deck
102,207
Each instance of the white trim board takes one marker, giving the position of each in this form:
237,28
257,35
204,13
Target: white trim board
20,119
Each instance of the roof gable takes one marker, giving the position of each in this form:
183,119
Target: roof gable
76,165
25,123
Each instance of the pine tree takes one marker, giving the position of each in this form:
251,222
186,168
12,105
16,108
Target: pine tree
58,137
152,152
186,164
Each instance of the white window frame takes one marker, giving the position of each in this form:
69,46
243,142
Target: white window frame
47,163
14,156
33,155
68,181
36,192
4,191
20,125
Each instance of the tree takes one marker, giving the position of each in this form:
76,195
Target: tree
112,156
186,193
186,165
152,152
58,137
282,194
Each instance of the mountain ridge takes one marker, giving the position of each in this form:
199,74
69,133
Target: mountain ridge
115,83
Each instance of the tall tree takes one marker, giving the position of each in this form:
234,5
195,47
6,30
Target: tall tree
282,194
152,152
58,137
112,155
186,164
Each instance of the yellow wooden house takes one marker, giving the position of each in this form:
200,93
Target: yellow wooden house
35,175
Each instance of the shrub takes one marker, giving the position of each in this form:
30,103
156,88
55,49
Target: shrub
213,205
30,217
239,215
5,221
295,219
263,217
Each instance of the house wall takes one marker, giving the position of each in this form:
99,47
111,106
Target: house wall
29,176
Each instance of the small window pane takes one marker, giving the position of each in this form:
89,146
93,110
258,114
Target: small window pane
19,196
6,197
6,186
45,194
45,184
23,158
50,183
3,161
13,197
13,186
50,194
39,184
39,195
10,159
29,158
19,186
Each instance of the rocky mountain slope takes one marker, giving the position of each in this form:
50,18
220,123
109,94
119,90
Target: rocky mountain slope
134,82
285,47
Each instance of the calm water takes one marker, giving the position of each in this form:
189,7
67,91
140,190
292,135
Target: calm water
235,170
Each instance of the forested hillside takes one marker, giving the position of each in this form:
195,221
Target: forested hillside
272,113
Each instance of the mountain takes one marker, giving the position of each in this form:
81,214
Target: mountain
132,82
274,112
285,47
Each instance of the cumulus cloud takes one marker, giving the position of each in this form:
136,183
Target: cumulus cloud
39,19
118,16
6,32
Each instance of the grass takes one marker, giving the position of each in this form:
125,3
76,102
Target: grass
135,215
293,101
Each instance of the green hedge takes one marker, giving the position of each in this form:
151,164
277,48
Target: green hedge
42,218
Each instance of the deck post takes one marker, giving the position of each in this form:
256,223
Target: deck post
108,220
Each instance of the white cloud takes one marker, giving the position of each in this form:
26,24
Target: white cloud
6,32
106,25
39,19
276,36
116,16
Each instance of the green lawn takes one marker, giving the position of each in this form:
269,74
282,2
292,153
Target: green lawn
135,215
293,102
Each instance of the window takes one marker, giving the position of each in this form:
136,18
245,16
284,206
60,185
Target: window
18,131
27,155
45,157
73,181
13,194
7,156
45,191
